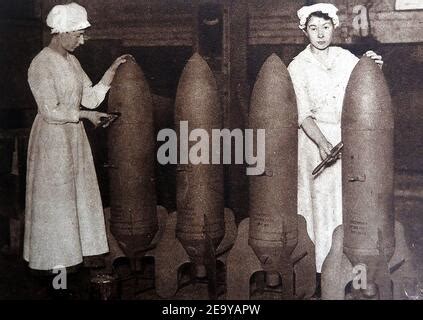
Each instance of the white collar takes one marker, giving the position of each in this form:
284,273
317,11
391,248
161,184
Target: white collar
333,53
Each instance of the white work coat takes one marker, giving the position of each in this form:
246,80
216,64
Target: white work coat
320,90
64,218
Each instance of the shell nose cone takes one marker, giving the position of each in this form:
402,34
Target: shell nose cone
130,70
273,58
196,68
196,57
273,98
130,94
272,65
195,77
368,70
196,62
367,102
197,96
274,75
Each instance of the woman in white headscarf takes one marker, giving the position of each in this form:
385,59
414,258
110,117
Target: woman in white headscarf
64,215
320,75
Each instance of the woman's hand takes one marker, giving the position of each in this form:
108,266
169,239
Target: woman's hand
375,57
110,73
324,149
95,117
313,132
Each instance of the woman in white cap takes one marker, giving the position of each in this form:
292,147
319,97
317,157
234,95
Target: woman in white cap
64,218
320,75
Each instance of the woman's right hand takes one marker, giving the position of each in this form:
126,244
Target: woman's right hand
93,116
313,131
324,149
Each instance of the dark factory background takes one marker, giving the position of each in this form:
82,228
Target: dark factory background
235,38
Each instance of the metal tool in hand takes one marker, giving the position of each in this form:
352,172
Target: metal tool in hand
332,156
106,121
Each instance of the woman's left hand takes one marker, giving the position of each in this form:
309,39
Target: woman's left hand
110,73
119,61
375,57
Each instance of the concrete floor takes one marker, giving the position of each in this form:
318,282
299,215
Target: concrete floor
16,282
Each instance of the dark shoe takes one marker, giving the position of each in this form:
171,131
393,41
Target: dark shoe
318,293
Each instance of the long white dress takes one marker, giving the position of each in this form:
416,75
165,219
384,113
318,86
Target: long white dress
320,92
64,218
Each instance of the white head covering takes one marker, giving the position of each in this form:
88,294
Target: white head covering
67,18
327,8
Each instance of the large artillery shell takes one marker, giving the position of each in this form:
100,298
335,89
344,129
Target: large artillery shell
273,195
199,195
368,165
131,145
